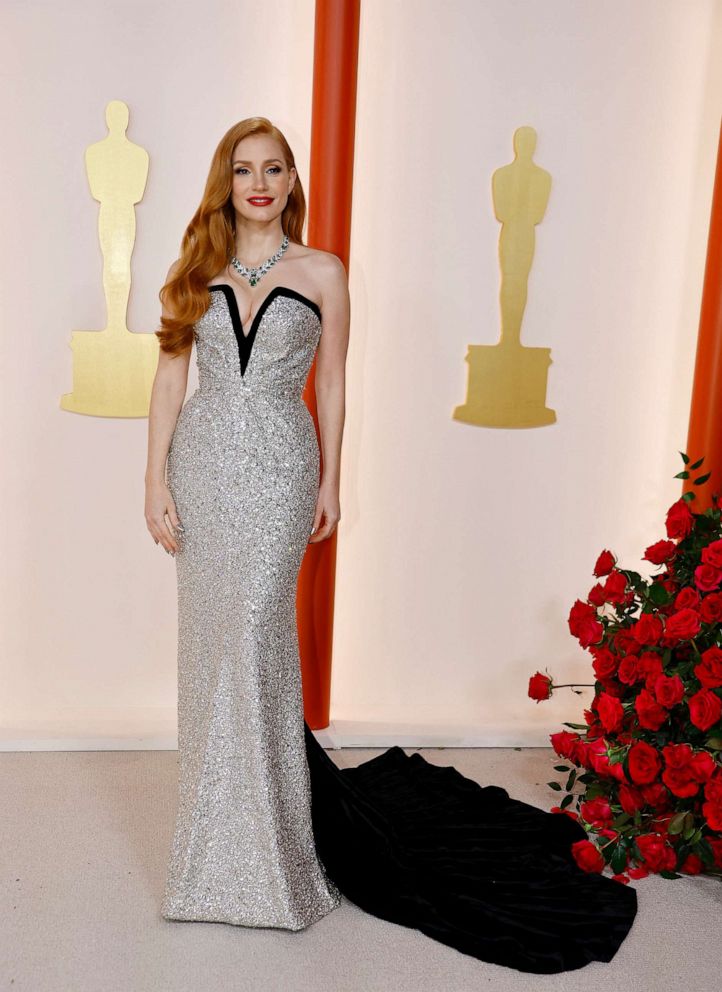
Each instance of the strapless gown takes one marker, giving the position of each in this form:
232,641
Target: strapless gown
269,832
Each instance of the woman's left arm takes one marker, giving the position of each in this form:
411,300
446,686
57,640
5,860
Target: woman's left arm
331,390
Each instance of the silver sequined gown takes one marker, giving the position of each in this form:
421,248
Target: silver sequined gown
243,469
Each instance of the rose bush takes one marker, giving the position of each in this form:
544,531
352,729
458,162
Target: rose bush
648,757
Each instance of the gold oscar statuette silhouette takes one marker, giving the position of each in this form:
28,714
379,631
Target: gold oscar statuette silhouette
507,381
113,368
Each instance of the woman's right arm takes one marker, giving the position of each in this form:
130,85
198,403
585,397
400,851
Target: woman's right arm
166,402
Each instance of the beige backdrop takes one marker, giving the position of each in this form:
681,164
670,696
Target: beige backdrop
461,549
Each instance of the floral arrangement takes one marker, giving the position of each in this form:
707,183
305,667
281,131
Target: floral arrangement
649,754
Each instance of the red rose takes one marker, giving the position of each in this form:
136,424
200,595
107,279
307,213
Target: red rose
605,663
679,520
649,667
692,865
596,756
656,795
648,629
625,643
710,609
705,709
707,577
703,766
680,782
630,799
668,690
677,755
713,788
656,852
712,813
597,812
639,872
709,669
596,595
679,775
645,763
540,687
608,833
682,626
588,856
615,587
610,711
566,744
651,714
605,563
660,552
687,599
628,671
712,554
584,625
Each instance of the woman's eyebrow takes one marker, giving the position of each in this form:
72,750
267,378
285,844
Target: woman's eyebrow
247,161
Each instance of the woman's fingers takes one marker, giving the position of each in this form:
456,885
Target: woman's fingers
325,531
159,504
161,534
169,539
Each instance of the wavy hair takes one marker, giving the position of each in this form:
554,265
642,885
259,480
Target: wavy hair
209,240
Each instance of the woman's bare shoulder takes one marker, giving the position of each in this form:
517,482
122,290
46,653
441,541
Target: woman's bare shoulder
325,267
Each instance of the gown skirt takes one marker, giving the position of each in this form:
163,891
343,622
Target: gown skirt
269,832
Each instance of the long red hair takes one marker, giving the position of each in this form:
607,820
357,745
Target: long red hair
209,241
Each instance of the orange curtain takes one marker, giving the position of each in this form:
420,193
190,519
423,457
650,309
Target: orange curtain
335,62
705,421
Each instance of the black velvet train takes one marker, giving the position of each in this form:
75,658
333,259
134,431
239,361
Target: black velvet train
425,847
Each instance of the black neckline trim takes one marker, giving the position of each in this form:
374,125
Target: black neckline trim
245,341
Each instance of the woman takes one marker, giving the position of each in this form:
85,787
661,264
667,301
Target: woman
269,832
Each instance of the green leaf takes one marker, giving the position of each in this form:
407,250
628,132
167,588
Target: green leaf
669,874
561,768
618,860
570,780
676,824
688,497
705,852
714,743
685,458
682,475
658,595
555,786
700,480
565,801
576,726
696,465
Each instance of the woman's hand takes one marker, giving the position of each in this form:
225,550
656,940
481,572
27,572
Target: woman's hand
158,504
327,506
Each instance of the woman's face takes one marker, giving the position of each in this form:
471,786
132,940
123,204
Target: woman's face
261,180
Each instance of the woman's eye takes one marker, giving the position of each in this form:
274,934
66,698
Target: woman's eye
242,168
